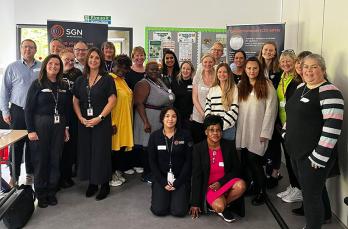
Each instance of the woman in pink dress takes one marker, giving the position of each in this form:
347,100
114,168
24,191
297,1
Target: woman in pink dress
215,174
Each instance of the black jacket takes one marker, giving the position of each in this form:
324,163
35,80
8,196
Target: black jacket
201,169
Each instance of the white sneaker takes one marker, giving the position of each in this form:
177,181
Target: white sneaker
115,181
294,196
138,169
129,172
119,176
285,193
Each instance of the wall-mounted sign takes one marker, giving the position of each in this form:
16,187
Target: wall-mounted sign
98,19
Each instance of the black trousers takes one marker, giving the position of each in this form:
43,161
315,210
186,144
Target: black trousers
254,163
69,151
18,123
315,197
273,153
174,203
292,178
121,160
46,154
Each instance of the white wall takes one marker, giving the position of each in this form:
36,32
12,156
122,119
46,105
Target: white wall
321,26
8,34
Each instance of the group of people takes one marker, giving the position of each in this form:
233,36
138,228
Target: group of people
201,137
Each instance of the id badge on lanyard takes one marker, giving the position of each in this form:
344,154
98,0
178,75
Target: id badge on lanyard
170,177
90,111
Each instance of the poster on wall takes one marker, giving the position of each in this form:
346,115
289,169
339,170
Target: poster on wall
185,51
71,32
162,36
187,37
155,49
250,38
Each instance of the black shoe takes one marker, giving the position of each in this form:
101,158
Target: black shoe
298,211
104,191
42,203
146,178
227,216
52,200
259,199
272,182
91,190
66,183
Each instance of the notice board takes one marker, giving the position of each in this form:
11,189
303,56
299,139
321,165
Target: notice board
187,43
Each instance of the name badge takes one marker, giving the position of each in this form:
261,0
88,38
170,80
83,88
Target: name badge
56,119
282,104
161,147
304,100
90,111
204,88
221,164
36,69
189,86
170,177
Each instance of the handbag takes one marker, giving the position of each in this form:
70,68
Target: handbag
18,207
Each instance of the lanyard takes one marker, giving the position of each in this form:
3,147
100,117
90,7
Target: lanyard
89,90
159,86
169,150
109,67
56,101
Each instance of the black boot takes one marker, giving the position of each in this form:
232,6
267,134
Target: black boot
104,191
91,190
259,199
298,211
41,194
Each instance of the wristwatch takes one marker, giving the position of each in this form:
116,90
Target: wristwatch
101,117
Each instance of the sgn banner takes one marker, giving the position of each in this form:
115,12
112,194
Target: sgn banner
71,32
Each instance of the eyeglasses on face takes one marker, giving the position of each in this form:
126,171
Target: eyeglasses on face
80,50
214,130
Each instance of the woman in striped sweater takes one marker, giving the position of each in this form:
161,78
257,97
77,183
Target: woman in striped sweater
313,125
222,100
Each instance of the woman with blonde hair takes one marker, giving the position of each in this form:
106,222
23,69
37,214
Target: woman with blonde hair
202,81
222,100
182,88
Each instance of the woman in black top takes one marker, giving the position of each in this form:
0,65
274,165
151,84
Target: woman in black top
46,113
70,74
94,97
170,67
109,51
238,62
170,161
182,88
137,71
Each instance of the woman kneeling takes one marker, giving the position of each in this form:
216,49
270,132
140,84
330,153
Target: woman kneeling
215,173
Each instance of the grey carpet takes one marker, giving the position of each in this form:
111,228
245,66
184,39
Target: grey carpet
128,207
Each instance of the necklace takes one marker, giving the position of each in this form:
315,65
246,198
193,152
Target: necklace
304,92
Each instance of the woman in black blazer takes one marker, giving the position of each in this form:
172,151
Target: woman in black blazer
215,173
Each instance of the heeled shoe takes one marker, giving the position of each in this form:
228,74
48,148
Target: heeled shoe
91,190
259,199
104,192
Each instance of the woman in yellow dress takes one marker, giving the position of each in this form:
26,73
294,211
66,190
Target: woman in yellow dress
122,121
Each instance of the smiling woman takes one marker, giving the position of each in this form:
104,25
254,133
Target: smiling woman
47,106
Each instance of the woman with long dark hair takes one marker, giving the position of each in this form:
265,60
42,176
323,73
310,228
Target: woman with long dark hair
94,97
170,67
257,114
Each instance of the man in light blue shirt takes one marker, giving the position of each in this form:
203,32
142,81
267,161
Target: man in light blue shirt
14,87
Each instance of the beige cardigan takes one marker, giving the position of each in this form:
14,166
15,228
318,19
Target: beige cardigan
256,119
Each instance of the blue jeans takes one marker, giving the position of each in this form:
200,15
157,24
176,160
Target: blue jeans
229,134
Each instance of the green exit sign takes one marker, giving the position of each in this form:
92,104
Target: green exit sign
98,19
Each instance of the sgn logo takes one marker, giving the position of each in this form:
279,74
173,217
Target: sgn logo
73,32
57,31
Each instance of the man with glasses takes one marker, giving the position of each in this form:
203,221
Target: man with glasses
14,87
80,52
217,51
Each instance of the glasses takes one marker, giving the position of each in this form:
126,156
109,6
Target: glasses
28,47
288,51
80,50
